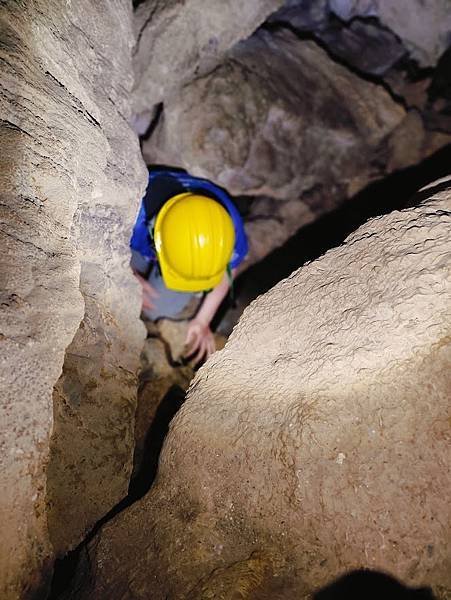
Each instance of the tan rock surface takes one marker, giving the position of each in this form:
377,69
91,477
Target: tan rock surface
71,178
316,442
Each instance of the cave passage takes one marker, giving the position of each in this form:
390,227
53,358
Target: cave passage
306,457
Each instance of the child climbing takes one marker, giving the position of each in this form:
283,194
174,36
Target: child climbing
187,242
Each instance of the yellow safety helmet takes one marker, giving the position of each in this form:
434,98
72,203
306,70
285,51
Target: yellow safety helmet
194,239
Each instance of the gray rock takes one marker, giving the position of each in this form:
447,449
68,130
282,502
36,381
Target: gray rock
360,43
424,27
71,179
251,124
177,41
303,15
364,46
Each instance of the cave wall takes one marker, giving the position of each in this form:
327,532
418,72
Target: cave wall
71,178
316,442
423,27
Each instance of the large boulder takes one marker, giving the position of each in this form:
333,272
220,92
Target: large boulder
282,124
316,442
178,40
278,118
71,178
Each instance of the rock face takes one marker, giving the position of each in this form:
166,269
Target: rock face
361,43
280,122
424,27
178,40
316,442
252,124
71,178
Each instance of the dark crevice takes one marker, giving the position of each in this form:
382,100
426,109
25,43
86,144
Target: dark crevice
166,411
137,3
78,105
365,584
157,115
145,24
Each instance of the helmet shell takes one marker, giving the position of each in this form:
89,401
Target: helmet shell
194,239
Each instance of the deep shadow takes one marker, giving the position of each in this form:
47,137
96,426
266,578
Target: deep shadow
371,585
395,192
167,409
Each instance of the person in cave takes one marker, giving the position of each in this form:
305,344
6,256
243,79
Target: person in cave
186,244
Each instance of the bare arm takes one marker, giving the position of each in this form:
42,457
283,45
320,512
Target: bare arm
200,337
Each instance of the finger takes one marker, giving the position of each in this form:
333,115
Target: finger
200,354
190,337
193,345
211,347
147,304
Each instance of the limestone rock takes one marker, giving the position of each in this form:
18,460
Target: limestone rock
317,441
174,334
251,124
177,41
71,179
424,27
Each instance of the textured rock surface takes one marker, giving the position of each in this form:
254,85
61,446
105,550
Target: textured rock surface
177,40
279,119
361,43
161,370
71,178
313,445
253,123
164,378
424,27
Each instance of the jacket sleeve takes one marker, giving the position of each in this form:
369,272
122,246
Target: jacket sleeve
140,240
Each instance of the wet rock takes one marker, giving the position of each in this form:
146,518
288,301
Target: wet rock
177,41
71,178
319,440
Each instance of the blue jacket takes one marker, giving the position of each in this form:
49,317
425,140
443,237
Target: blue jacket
141,241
